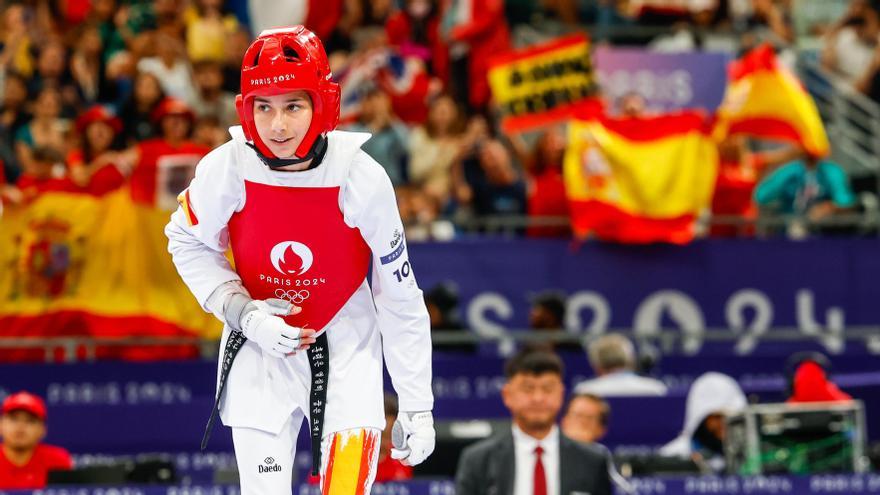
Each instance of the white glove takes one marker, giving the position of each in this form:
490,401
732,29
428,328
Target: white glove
413,437
260,323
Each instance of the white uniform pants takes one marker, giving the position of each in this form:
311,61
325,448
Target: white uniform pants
265,461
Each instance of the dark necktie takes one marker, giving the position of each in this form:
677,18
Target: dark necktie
540,480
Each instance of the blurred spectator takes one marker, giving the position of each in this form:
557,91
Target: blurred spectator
585,418
433,147
47,129
44,172
16,44
24,461
105,14
414,30
390,469
811,188
388,144
547,311
711,397
774,17
211,100
475,32
209,133
869,82
492,185
52,72
138,111
613,358
14,115
236,46
442,302
533,457
806,373
631,105
87,65
739,171
420,213
92,165
850,43
163,166
170,67
207,28
547,315
546,186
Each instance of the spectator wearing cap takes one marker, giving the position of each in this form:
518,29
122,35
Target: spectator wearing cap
24,461
613,358
162,167
807,375
92,165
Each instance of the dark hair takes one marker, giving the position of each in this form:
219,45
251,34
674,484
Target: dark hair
604,407
552,301
531,361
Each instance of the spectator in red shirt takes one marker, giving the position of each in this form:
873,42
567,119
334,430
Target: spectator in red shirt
390,469
24,461
162,167
546,192
44,172
92,166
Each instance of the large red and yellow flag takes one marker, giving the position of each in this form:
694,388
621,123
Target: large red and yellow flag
77,265
639,180
764,99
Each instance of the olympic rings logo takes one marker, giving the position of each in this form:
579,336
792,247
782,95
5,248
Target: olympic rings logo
293,295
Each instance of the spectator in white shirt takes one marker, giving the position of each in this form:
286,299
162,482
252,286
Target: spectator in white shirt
849,45
613,358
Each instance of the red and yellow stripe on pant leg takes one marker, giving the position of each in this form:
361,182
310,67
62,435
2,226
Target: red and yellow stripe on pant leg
349,462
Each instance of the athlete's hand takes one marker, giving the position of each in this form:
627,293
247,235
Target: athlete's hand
413,437
261,323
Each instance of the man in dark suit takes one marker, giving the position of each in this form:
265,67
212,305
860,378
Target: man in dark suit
533,457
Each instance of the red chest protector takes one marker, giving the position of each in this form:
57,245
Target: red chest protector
292,243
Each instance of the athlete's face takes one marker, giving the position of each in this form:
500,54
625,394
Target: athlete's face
282,121
534,400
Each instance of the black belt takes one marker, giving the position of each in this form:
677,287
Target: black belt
319,362
234,344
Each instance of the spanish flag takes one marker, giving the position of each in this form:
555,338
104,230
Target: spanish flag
639,180
75,265
764,99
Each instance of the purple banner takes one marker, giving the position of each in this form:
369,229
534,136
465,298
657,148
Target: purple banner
816,288
667,81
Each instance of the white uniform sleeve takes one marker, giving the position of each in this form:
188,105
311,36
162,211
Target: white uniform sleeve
370,205
197,233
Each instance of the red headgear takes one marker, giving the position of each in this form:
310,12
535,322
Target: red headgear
282,60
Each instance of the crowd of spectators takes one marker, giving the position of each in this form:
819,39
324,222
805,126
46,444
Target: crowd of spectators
103,93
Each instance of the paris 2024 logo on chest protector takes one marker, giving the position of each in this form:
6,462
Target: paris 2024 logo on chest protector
292,260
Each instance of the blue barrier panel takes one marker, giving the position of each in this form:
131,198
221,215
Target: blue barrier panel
840,484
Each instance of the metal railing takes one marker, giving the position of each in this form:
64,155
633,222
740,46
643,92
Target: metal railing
851,119
75,349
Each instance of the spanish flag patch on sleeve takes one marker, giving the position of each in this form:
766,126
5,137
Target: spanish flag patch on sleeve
186,204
